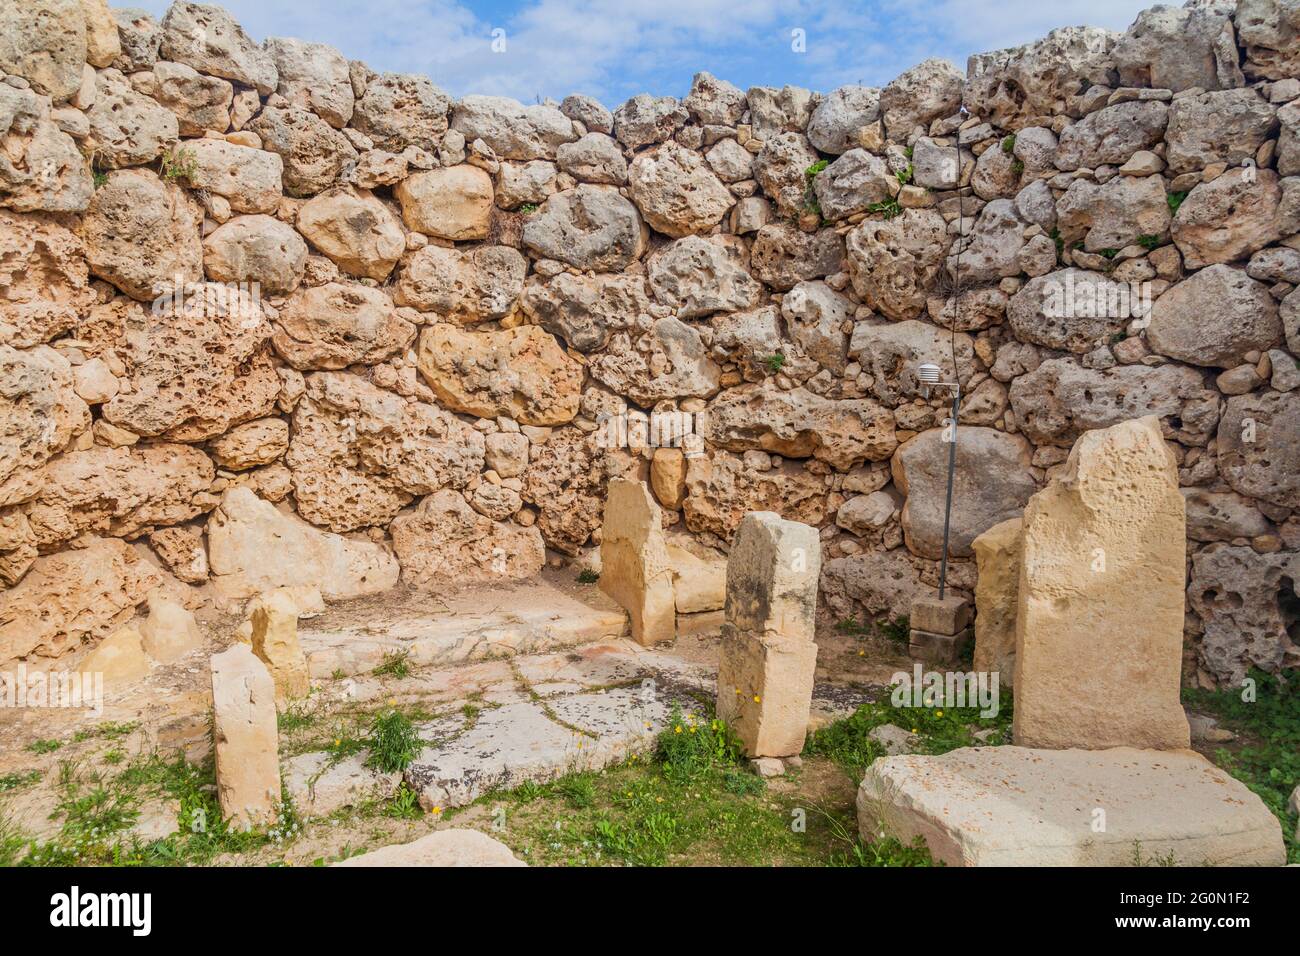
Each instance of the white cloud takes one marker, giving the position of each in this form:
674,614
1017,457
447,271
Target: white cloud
615,48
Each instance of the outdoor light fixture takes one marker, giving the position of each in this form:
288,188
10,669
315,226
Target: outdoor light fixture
931,375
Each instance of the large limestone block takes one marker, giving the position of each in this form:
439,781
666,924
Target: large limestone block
355,230
451,203
441,848
997,587
170,630
521,373
73,596
246,737
40,412
1099,629
206,37
274,619
118,659
772,577
699,583
45,44
44,280
765,685
253,547
634,566
991,483
444,540
1014,806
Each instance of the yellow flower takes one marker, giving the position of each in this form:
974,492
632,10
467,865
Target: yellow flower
938,713
913,730
692,730
757,699
338,743
677,729
436,810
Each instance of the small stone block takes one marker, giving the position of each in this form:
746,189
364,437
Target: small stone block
937,648
947,616
767,767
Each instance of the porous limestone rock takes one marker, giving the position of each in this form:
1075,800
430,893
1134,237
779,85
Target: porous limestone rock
894,262
253,548
1228,218
1099,621
142,234
205,37
250,179
668,361
765,674
44,279
835,122
251,444
512,130
1214,317
588,227
246,738
399,110
452,203
478,284
170,631
313,75
520,373
444,541
928,91
258,249
800,424
721,490
72,597
676,191
634,567
119,660
585,310
991,483
1259,446
337,324
126,127
40,413
314,154
355,230
696,277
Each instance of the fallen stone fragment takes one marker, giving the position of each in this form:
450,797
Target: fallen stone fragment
246,738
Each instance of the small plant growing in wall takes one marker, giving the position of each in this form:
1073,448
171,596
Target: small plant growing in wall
1175,200
528,208
888,208
179,163
774,363
810,203
588,576
1148,241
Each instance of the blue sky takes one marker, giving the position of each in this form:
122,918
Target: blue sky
613,50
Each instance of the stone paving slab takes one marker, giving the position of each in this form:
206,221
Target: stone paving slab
1016,806
527,618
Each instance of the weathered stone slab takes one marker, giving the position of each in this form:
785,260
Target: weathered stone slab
1014,806
772,574
634,566
997,588
441,848
525,618
247,740
765,686
318,785
1099,630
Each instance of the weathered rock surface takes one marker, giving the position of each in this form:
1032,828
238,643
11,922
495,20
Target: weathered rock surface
589,227
355,230
997,591
254,548
441,848
585,310
444,541
335,325
1100,610
1258,451
467,285
245,738
676,192
634,566
1017,806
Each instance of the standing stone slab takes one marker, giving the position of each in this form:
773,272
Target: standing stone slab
274,619
769,657
997,563
634,567
1099,629
247,741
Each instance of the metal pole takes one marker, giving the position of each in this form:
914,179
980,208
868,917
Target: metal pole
947,509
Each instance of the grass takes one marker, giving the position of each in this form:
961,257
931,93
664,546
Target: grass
588,576
1175,200
1266,758
397,665
896,631
393,742
888,208
178,163
774,363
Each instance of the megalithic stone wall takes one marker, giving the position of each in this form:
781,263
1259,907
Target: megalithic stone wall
237,274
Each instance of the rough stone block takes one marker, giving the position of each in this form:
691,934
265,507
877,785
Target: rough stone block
997,563
634,565
1015,806
765,685
170,631
772,575
947,616
274,638
441,848
246,737
1099,629
937,648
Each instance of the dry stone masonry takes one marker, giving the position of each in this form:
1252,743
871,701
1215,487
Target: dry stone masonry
270,318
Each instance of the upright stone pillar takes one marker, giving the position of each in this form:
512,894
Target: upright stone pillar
634,566
769,656
1099,623
997,563
274,621
246,737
